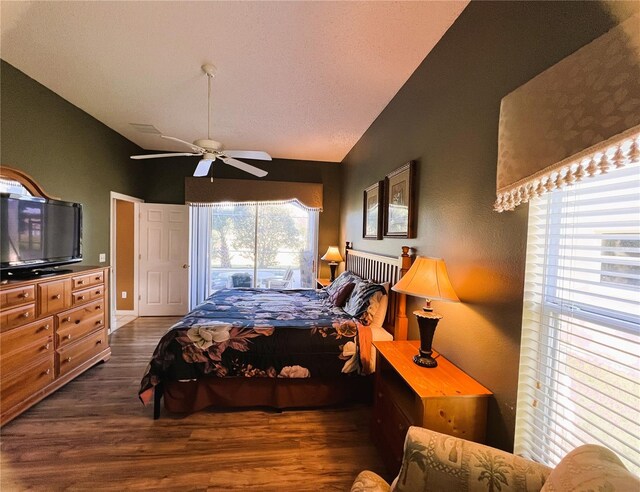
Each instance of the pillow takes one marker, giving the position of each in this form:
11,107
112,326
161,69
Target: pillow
340,296
591,467
359,301
343,279
378,315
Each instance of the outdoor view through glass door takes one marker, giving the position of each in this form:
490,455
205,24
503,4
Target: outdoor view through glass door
263,245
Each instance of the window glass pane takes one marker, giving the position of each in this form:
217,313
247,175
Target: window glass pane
580,351
263,245
233,246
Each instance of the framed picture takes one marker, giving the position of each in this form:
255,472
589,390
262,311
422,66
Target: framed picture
372,211
399,198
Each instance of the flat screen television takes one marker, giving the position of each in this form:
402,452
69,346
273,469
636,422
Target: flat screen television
38,233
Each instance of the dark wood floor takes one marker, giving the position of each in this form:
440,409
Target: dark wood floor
95,434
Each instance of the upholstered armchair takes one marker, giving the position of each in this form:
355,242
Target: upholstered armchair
437,462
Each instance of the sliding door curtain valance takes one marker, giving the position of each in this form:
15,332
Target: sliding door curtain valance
579,118
201,191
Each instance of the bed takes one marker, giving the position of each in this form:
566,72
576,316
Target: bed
280,348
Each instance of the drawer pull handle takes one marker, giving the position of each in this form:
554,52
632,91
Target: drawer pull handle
46,347
46,327
68,359
80,282
98,307
26,315
24,295
98,278
57,296
99,342
67,319
68,337
98,322
47,372
80,298
77,322
97,292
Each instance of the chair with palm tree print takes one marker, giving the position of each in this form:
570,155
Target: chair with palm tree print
435,462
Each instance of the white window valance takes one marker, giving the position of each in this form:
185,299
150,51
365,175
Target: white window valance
579,118
203,191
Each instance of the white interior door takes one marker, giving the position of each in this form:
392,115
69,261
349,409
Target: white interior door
164,255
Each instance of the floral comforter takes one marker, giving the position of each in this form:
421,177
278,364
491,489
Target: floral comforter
258,333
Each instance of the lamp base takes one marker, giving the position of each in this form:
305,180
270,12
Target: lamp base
427,322
425,361
333,267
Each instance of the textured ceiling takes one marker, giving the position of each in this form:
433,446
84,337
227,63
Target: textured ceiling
300,80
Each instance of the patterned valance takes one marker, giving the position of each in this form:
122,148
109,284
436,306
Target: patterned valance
204,191
579,118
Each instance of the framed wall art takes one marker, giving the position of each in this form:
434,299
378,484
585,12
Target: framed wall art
372,211
399,198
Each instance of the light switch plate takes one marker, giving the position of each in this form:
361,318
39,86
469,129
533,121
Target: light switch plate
103,257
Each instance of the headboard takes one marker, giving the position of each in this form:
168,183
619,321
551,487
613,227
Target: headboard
381,269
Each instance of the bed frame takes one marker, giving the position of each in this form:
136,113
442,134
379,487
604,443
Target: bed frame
278,393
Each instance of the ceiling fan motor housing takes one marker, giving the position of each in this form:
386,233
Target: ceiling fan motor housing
210,145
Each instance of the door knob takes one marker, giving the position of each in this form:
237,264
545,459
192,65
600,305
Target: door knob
185,266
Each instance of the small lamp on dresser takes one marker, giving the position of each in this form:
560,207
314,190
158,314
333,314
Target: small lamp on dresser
427,278
334,257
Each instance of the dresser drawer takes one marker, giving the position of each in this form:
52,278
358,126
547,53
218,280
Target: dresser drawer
17,338
78,315
75,331
14,362
12,318
86,295
54,296
14,389
75,354
82,281
390,425
16,297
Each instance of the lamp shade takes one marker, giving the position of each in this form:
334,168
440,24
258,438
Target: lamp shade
332,254
427,278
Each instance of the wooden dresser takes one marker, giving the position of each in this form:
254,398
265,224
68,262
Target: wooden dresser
51,330
443,399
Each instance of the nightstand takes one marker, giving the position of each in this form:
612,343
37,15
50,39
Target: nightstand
443,399
322,282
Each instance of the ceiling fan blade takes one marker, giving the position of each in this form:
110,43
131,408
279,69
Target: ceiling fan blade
202,169
248,154
193,147
244,167
156,156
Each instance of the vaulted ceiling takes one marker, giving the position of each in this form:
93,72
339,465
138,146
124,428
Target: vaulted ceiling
300,80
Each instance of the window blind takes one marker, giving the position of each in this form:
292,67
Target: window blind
579,361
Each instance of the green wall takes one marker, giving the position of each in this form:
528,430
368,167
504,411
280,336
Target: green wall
446,118
69,153
167,186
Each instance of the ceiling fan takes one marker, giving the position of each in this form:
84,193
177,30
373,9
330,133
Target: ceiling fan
209,149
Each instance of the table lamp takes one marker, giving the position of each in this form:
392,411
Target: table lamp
427,278
333,257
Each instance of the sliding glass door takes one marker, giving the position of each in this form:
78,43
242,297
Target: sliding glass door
266,245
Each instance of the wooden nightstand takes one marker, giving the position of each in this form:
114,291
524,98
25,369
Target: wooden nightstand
322,282
443,399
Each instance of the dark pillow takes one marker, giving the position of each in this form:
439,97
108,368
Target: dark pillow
343,279
359,300
339,297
